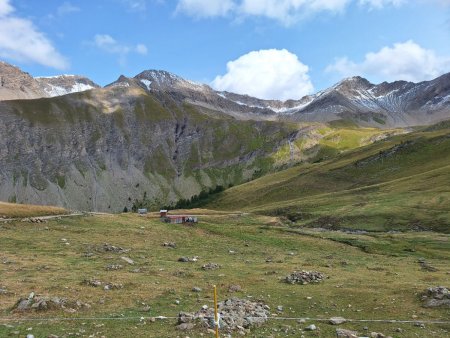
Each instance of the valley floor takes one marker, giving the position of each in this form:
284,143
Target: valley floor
371,276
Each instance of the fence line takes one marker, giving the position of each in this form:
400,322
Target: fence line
389,321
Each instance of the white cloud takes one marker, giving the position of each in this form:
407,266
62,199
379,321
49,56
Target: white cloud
67,8
404,61
382,3
21,41
5,8
110,45
290,11
205,8
141,49
285,11
136,5
266,74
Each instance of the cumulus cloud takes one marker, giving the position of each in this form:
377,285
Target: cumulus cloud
403,61
110,45
266,74
21,41
205,8
285,11
67,8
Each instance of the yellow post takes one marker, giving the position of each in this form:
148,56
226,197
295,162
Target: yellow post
216,317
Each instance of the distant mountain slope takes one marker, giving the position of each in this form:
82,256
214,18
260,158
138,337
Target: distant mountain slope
386,105
16,84
105,148
402,182
65,84
397,104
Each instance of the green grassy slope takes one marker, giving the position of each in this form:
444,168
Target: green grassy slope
399,183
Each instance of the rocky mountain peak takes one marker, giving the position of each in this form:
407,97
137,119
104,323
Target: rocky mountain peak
16,84
161,79
65,84
354,83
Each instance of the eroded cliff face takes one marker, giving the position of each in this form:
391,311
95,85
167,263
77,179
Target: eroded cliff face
100,150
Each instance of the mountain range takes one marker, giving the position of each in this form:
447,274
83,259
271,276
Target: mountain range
386,105
160,138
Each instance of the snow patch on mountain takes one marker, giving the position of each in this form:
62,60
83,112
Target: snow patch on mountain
53,90
146,83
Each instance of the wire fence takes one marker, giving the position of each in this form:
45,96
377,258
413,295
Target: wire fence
141,318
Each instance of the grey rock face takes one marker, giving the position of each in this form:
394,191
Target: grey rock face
105,149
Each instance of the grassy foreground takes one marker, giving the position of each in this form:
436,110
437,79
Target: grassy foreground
371,276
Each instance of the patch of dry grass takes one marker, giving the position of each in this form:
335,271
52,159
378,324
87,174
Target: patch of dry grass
13,210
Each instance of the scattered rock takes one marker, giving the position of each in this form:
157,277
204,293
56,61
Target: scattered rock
111,267
92,282
234,288
236,315
170,245
137,270
425,266
196,289
112,248
343,333
311,327
188,259
305,277
280,308
185,326
127,259
436,297
113,286
3,291
41,303
377,335
337,320
210,266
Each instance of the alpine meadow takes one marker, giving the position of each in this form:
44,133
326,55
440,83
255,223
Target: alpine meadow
228,168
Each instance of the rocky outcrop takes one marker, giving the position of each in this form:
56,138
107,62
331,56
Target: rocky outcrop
16,84
235,315
305,277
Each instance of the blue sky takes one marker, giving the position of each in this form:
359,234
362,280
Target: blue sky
266,48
